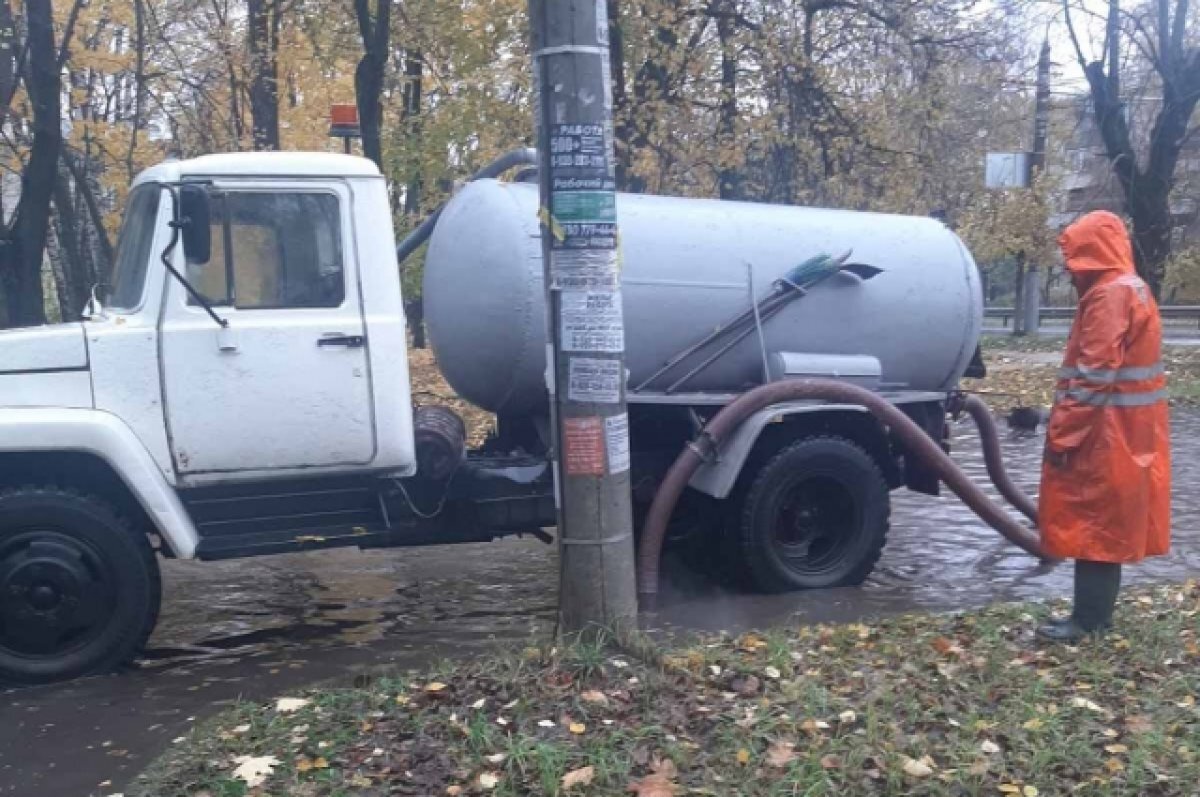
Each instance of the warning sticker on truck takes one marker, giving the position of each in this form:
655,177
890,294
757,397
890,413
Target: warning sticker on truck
583,446
591,321
589,379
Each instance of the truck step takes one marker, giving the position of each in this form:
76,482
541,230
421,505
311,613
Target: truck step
292,541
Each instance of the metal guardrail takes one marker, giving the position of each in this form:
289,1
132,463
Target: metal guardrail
1170,312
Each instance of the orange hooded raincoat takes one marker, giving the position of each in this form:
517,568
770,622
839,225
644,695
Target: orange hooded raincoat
1106,481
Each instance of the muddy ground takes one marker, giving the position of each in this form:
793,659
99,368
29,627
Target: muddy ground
255,628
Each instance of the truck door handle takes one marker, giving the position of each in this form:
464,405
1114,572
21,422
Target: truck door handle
338,339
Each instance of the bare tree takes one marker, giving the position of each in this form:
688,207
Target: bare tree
1161,34
23,240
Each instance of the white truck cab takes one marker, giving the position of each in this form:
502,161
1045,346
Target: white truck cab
243,389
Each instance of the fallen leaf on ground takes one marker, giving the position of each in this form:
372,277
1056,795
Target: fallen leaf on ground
743,756
943,645
577,728
496,758
781,754
453,791
748,686
489,780
290,705
831,761
1030,791
814,726
578,777
1139,723
772,672
436,686
917,769
656,785
1009,788
1114,765
752,643
847,717
1116,749
989,747
594,696
1083,702
545,723
253,770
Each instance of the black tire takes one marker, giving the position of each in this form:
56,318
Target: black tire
814,516
79,587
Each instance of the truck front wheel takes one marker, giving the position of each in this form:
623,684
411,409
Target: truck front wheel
79,588
814,516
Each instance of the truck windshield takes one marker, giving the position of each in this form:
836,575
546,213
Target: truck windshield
133,248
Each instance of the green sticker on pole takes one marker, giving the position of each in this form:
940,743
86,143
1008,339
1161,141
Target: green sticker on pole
597,207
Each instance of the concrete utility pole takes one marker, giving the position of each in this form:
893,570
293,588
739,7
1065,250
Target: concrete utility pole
584,320
1032,304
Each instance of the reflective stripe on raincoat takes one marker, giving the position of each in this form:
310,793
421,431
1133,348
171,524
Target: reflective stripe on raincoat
1106,481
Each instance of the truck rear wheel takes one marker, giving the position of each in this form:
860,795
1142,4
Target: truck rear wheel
814,516
79,588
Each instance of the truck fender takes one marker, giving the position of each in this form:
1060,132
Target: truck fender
718,476
46,430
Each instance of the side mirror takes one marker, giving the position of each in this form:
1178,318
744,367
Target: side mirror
195,220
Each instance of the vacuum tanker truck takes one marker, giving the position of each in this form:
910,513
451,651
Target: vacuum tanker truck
246,392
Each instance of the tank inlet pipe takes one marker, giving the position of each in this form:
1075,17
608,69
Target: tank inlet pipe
525,156
914,439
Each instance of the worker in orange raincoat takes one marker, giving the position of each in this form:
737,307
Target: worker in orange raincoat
1106,479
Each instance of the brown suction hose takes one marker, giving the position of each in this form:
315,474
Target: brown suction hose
989,438
914,439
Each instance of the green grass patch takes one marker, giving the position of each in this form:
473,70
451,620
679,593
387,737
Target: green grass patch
963,704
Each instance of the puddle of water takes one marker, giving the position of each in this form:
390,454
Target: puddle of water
940,557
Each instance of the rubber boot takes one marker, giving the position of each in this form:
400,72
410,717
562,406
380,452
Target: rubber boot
1096,587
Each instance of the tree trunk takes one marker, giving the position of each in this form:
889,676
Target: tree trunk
86,189
1019,297
139,86
25,239
728,174
623,131
263,32
72,273
368,76
414,306
411,115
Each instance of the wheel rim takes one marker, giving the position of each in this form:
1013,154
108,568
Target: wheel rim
56,594
818,523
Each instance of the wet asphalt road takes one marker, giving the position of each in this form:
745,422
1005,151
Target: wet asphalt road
257,628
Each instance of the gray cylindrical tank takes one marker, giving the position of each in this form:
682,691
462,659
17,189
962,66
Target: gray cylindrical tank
684,273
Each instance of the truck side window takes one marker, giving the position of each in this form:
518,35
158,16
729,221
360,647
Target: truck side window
273,250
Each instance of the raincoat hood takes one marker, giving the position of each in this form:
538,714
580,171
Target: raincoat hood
1097,243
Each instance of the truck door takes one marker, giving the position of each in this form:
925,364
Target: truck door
287,386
